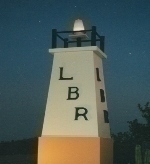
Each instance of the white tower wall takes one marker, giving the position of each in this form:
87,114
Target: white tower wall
81,89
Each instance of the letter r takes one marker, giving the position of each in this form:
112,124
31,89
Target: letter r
83,114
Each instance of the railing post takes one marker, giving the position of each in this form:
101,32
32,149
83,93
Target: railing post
102,42
78,42
93,36
66,43
54,38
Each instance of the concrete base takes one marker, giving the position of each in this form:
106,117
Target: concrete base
75,150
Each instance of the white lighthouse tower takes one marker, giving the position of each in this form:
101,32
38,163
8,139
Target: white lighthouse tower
76,125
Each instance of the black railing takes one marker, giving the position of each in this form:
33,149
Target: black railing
94,38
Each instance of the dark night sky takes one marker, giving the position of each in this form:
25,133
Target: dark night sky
25,64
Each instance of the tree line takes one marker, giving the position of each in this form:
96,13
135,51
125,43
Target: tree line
25,146
133,146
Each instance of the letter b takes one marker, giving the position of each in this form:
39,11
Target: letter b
71,91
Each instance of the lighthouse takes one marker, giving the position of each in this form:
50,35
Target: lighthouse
76,124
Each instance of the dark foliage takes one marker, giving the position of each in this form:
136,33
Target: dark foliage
123,148
145,112
138,134
25,146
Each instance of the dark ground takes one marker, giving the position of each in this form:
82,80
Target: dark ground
19,152
18,159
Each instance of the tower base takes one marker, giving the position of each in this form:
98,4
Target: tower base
75,150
